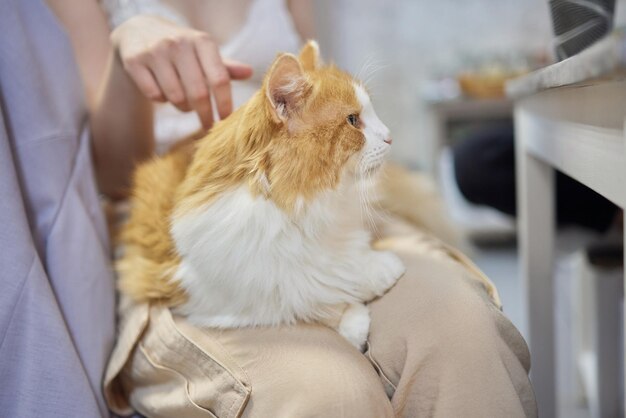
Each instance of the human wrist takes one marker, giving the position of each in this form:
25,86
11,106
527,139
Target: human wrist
120,11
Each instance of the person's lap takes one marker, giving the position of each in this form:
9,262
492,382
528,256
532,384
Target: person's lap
304,371
431,325
435,338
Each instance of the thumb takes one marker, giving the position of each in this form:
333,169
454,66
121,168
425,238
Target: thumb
237,70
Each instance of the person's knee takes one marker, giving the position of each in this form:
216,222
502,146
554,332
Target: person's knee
322,381
461,326
438,331
353,394
449,312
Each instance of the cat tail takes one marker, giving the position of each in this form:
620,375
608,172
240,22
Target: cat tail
414,197
145,280
149,261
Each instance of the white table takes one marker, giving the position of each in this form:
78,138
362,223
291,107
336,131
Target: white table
569,116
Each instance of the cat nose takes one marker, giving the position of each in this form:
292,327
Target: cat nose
388,140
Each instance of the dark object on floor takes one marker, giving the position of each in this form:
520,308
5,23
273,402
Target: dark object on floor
606,255
484,166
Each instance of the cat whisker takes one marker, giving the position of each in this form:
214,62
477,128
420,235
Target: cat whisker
365,184
371,70
364,66
371,188
360,174
370,67
379,210
368,82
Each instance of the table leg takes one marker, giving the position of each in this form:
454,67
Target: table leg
535,193
606,320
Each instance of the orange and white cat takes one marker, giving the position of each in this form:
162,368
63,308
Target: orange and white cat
260,224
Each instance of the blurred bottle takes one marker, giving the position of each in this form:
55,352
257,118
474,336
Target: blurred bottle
580,23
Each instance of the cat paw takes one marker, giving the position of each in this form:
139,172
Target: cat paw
386,268
355,325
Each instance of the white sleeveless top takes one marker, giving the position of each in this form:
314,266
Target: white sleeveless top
268,30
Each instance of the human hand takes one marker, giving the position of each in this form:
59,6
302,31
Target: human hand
180,65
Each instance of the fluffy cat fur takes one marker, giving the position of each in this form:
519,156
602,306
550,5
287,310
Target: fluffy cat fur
260,222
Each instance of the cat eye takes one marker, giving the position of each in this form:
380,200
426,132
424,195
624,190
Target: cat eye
353,120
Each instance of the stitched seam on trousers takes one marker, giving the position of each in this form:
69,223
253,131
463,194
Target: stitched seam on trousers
157,365
230,408
245,385
377,366
225,353
242,408
110,378
238,385
240,388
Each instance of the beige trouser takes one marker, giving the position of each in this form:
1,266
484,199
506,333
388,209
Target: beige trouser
438,347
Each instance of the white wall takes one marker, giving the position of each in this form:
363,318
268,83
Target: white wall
413,39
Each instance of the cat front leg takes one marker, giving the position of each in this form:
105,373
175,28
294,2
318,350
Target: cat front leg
354,325
382,269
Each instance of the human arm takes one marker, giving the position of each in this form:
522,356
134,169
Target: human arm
148,59
302,13
119,115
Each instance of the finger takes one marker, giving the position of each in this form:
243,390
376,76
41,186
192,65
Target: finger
147,84
217,76
237,70
195,85
169,82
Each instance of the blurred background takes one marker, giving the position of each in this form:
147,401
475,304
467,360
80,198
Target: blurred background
436,71
407,45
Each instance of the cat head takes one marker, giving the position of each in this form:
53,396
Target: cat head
325,129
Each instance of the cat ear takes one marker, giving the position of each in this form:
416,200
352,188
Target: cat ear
286,87
310,55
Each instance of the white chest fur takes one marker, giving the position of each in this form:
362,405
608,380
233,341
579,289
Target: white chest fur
245,262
